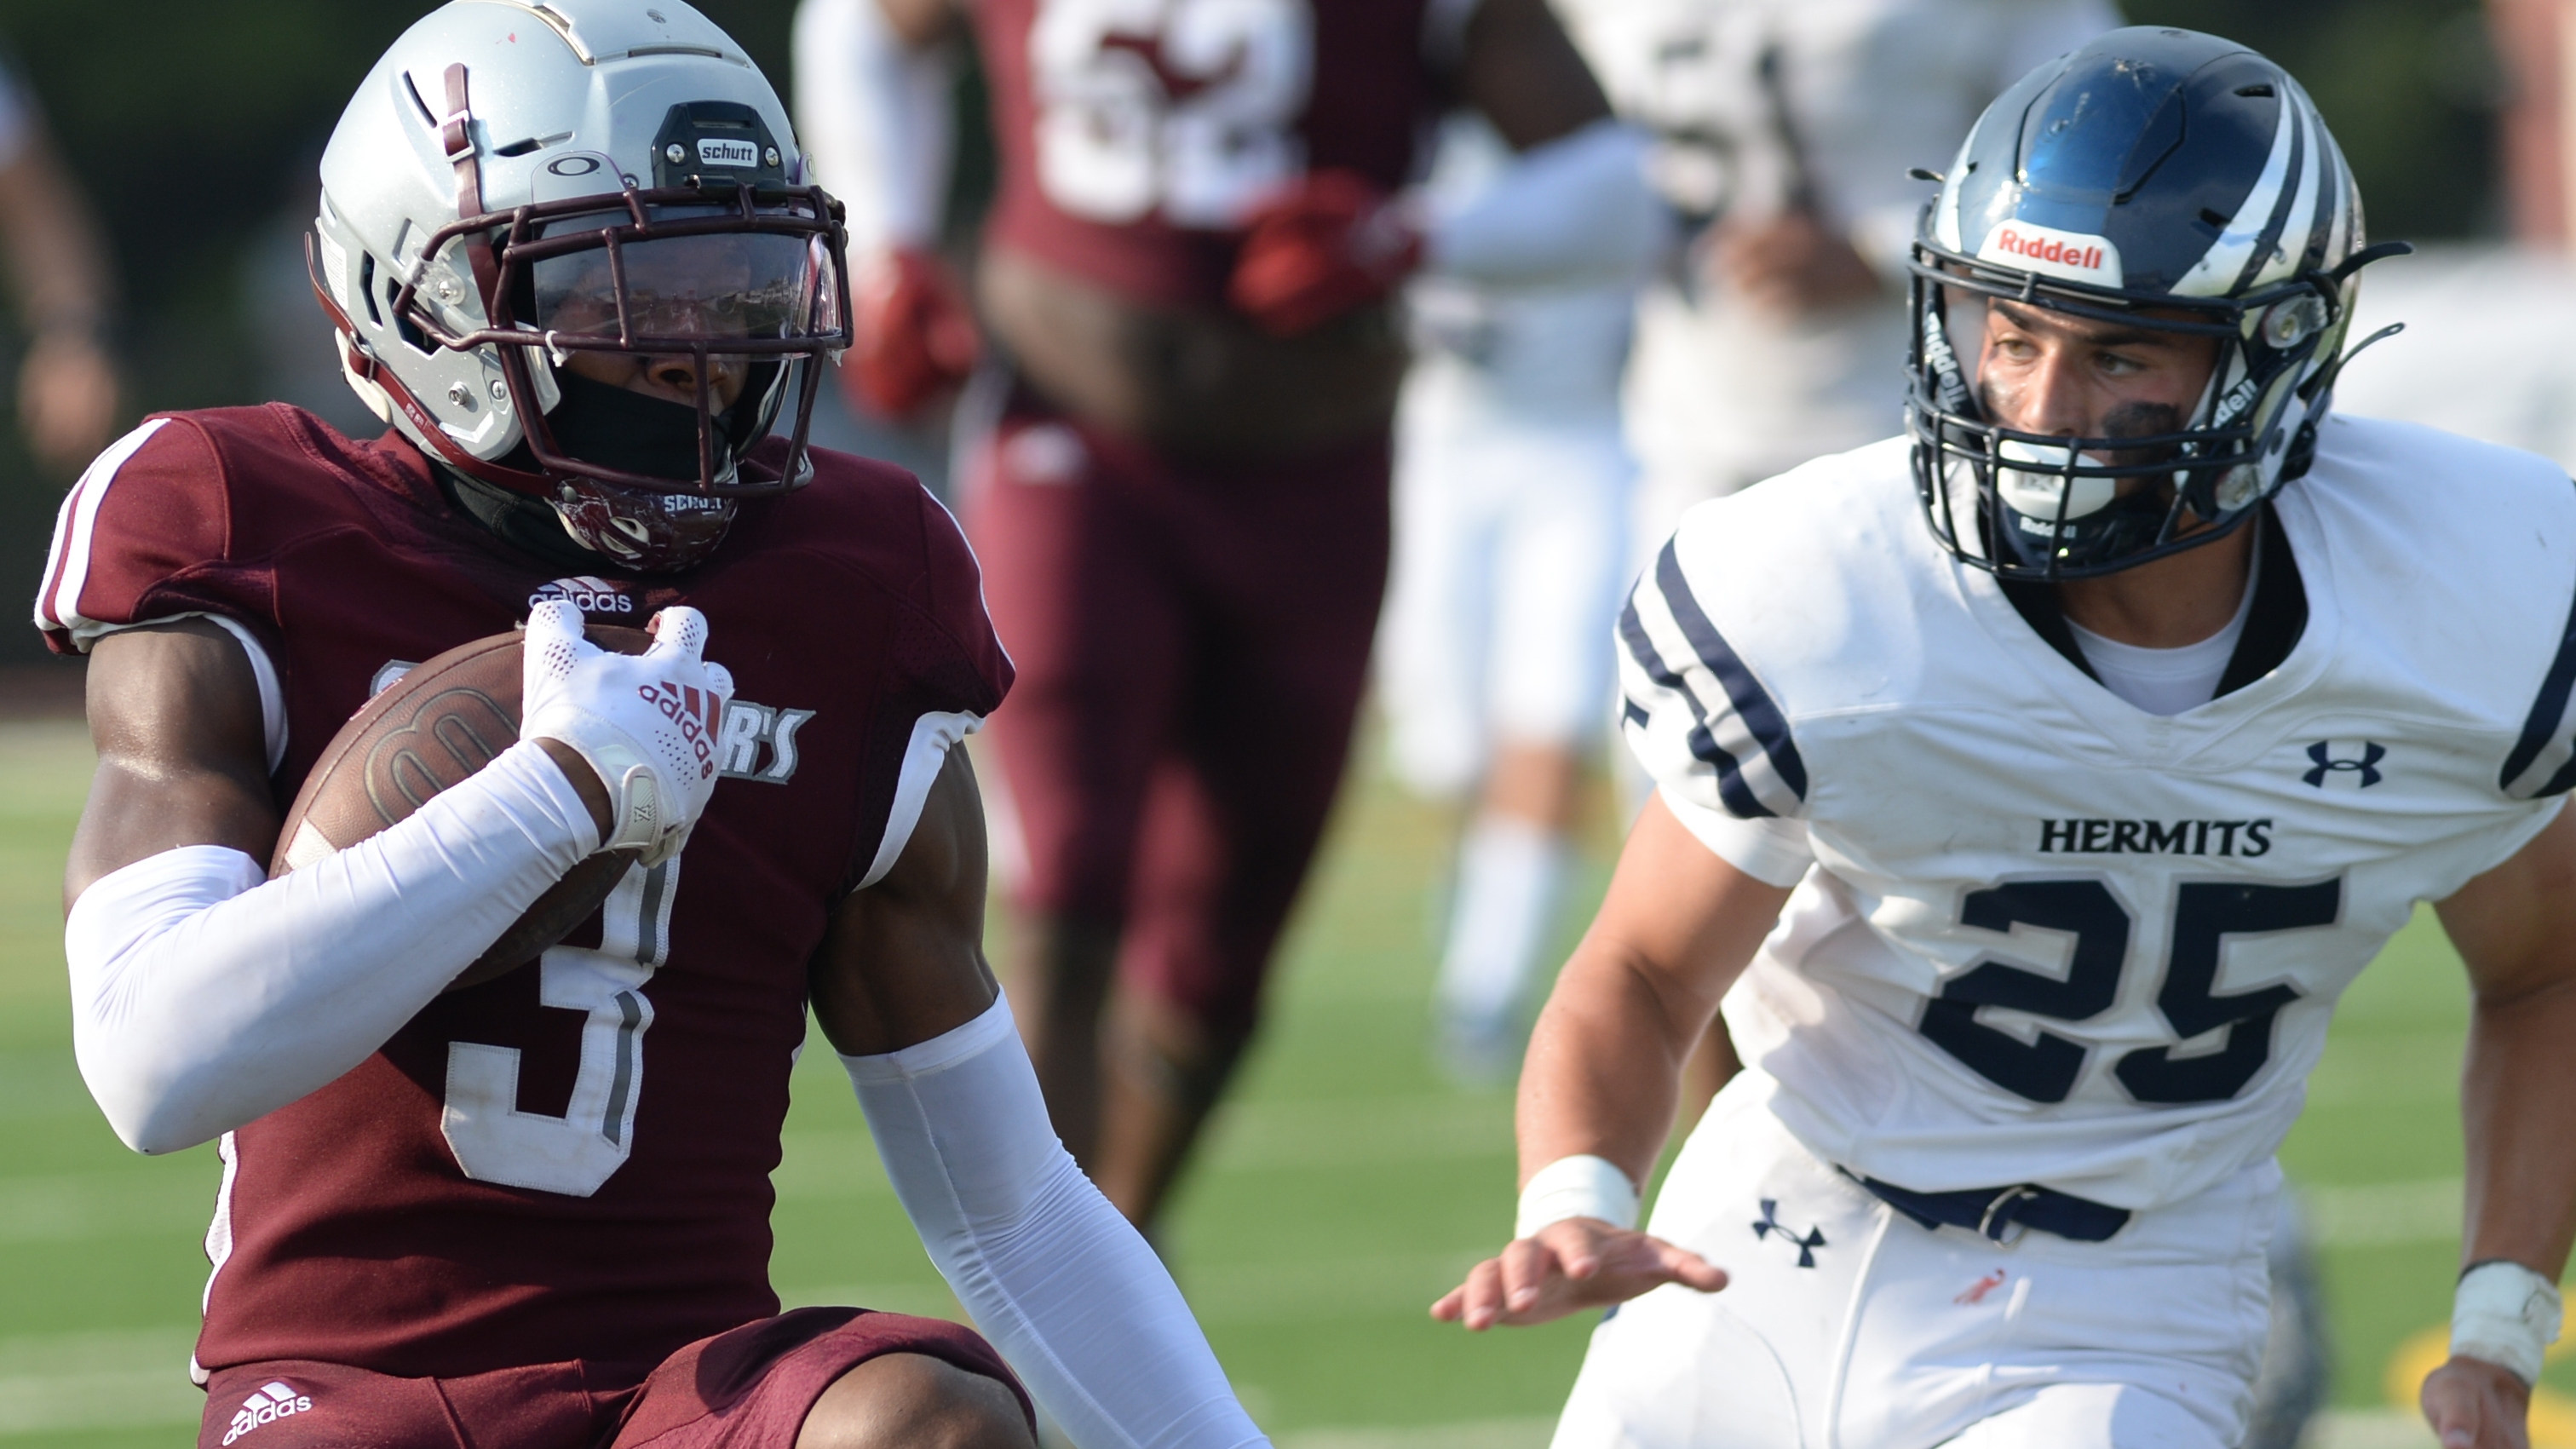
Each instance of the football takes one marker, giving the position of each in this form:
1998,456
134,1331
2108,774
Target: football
441,721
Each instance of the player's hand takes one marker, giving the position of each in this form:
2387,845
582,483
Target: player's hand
646,722
67,397
915,335
1569,1266
1329,243
2473,1404
1789,264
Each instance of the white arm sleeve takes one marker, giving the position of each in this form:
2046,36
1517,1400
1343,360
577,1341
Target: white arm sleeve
203,997
1072,1297
1575,209
874,118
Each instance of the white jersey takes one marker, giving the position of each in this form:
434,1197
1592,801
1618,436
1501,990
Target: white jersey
2052,938
1720,394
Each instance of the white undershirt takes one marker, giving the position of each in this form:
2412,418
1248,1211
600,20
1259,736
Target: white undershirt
2168,681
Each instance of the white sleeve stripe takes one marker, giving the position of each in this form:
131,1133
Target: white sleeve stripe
272,698
933,735
58,601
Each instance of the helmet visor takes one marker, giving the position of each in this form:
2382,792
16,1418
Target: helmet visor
689,293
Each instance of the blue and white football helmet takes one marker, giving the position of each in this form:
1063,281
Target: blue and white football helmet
2162,179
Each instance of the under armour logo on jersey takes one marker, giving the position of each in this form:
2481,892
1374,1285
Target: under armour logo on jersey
759,742
1771,1223
2329,764
273,1402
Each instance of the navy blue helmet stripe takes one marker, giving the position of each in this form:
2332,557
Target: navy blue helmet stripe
1753,704
2548,718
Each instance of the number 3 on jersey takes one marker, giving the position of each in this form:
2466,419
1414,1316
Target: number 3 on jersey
2046,1067
1185,107
577,1152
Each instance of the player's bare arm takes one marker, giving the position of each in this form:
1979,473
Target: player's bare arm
68,390
1676,928
2513,927
903,960
1521,70
174,714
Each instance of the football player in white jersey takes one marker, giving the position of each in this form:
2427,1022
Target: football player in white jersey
1493,662
1785,128
2112,778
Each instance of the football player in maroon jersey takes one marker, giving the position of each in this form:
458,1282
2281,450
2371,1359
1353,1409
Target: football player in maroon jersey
1179,482
574,261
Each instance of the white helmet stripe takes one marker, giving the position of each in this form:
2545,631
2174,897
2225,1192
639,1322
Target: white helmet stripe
2215,274
2289,250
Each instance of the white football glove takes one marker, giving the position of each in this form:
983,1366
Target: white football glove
646,722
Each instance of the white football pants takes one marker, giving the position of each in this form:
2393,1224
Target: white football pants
1849,1326
1511,560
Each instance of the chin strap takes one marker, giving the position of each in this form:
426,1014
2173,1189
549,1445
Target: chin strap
456,136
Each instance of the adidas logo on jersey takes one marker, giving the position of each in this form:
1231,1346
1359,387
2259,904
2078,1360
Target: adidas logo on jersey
590,595
273,1402
2245,838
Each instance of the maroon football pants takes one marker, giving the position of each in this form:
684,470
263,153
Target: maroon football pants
747,1389
1191,644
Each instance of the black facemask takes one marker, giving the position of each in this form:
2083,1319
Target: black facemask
599,422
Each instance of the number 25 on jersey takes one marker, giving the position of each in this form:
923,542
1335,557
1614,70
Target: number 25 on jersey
2046,1066
1182,108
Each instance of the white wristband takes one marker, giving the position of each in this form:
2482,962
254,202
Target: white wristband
2507,1315
1577,1187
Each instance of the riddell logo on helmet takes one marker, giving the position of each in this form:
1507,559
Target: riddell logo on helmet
2072,255
590,595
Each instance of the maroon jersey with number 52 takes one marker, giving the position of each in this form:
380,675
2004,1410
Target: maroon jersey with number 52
572,1161
1133,139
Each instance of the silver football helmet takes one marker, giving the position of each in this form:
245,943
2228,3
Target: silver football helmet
569,252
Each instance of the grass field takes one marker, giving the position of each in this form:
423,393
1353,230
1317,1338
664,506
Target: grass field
1348,1184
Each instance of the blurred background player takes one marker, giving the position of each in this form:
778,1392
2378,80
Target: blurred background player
1511,551
1178,459
1786,131
58,274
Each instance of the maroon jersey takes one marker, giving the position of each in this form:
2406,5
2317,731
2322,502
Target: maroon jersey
572,1161
1133,138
